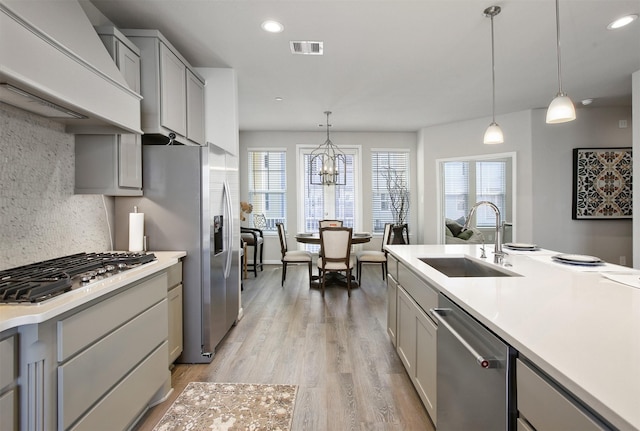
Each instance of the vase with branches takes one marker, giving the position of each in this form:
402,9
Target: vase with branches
399,201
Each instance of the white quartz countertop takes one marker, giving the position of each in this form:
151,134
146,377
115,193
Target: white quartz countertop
13,315
578,325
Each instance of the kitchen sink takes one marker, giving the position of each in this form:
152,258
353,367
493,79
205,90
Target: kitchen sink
465,267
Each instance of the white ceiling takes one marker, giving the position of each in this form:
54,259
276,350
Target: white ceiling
394,65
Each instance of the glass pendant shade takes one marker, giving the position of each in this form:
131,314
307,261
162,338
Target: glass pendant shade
493,134
561,110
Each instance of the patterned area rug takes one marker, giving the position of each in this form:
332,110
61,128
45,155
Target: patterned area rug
230,407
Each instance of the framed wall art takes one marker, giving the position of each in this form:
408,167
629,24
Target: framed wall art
602,183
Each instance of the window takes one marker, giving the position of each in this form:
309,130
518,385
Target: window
470,180
328,202
385,166
268,186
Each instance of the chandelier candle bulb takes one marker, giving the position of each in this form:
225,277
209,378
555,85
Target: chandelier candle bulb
136,230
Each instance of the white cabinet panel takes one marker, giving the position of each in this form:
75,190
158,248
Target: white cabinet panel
392,308
173,92
426,361
195,109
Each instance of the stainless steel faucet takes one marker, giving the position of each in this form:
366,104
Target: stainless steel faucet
497,249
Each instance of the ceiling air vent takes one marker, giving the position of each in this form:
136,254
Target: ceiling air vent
306,47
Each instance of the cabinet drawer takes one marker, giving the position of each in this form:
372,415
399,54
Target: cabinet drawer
81,329
174,274
419,290
130,397
82,382
8,349
545,407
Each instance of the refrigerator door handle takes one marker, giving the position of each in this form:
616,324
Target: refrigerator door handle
228,228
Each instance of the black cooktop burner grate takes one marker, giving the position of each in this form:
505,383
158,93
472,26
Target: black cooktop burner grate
43,280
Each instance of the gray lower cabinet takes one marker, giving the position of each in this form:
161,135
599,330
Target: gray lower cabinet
174,298
99,366
416,337
9,381
545,406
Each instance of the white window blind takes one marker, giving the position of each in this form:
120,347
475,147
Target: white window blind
491,185
456,190
383,164
268,186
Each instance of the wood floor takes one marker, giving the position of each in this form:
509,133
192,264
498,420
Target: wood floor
335,349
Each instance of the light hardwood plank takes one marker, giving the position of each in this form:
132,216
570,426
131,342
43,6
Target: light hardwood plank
335,349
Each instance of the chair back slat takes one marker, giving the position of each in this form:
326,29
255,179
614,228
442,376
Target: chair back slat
387,234
283,238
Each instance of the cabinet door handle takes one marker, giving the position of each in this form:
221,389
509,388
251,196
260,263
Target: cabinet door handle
438,314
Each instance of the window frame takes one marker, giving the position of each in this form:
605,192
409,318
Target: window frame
407,152
356,152
511,180
265,192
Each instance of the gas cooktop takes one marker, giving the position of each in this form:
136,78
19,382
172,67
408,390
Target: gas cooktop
40,281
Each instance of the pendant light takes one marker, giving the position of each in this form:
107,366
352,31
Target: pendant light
327,164
493,134
561,109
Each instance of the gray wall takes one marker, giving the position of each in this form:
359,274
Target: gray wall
464,139
289,140
553,227
40,217
544,176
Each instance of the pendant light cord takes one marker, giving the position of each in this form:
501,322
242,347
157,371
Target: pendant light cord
558,47
493,75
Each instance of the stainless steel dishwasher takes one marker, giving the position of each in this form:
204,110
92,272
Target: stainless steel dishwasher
475,373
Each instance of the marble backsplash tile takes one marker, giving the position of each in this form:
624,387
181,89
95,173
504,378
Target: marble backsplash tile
40,217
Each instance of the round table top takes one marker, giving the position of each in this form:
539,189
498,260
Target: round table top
314,238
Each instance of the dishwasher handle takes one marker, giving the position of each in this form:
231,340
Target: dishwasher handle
438,314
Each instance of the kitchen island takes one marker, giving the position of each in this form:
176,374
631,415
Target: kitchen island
72,361
576,326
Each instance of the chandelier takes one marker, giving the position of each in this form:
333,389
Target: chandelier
327,164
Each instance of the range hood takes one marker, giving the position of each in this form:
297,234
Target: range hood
53,63
29,102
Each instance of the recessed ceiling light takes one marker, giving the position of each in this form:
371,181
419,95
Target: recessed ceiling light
279,99
621,22
272,26
586,102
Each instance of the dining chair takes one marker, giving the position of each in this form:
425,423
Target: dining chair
375,256
329,223
335,254
291,256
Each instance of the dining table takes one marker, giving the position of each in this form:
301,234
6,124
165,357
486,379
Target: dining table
333,278
314,237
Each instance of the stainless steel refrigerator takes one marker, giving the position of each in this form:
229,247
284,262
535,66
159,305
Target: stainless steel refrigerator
190,203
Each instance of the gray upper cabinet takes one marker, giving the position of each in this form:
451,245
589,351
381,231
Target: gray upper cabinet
172,91
112,164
